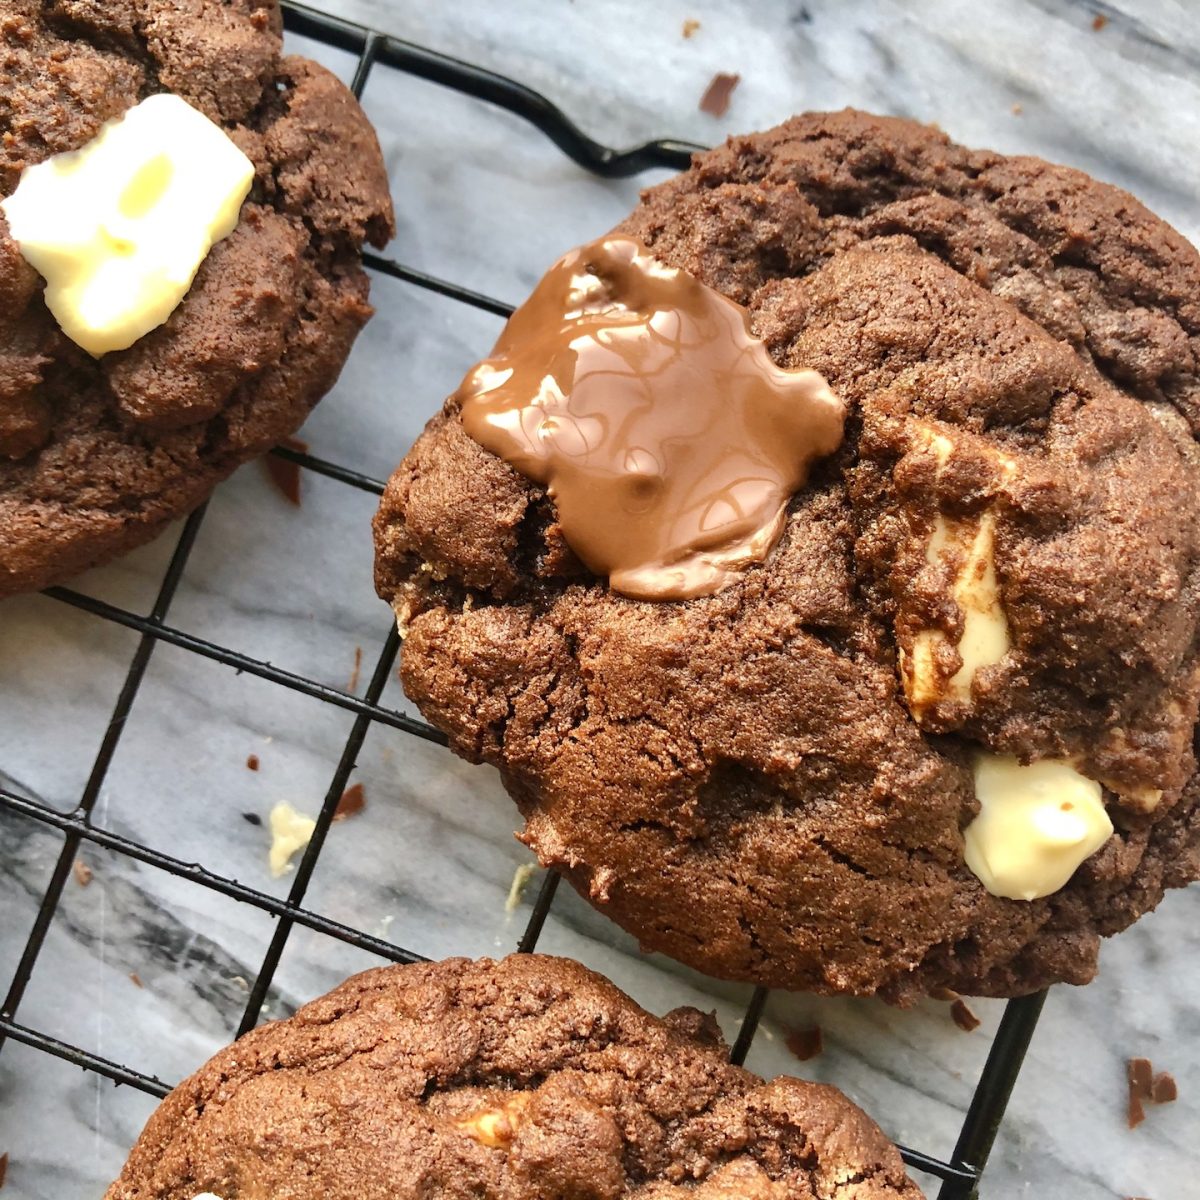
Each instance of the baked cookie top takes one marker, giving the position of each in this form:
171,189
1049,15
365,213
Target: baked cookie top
96,455
773,782
530,1077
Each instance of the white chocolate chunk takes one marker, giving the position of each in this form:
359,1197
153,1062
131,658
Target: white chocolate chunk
1036,824
290,833
985,639
119,228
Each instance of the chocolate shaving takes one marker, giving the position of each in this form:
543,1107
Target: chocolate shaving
354,800
964,1018
715,100
1164,1089
1099,21
252,818
805,1043
284,473
690,26
82,872
352,686
252,762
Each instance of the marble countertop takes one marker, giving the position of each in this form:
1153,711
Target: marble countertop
151,971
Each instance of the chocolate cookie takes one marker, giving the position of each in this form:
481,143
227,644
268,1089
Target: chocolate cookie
513,1080
97,455
774,782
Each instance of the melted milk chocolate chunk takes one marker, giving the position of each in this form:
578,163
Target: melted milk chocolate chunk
668,439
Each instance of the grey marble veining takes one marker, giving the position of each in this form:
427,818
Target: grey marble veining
485,200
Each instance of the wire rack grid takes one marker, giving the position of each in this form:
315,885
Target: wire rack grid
960,1173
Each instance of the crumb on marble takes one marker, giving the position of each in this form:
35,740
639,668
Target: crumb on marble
690,26
718,94
1018,109
963,1016
136,979
353,800
1164,1089
1099,21
290,833
805,1043
251,818
284,473
252,762
352,686
520,880
3,1167
82,872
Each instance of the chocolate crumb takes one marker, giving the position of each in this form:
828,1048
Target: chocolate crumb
82,872
352,686
690,26
252,762
354,800
715,100
252,818
1136,1113
1099,21
3,1167
284,473
1164,1089
136,979
1141,1076
805,1043
964,1018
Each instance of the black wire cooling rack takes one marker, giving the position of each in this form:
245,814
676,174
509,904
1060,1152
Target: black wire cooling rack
960,1173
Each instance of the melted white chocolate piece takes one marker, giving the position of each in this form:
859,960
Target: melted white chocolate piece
1036,824
985,639
119,228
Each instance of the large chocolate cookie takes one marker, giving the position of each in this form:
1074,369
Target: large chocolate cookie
516,1080
773,782
96,456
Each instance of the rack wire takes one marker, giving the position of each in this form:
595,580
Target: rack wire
960,1173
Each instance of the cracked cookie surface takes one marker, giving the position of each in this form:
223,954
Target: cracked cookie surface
522,1079
96,456
772,783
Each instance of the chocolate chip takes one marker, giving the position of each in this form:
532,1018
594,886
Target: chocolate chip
284,473
715,100
1141,1076
1164,1089
805,1043
252,762
354,800
964,1018
252,818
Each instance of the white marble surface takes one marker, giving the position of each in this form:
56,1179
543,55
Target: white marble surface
485,200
